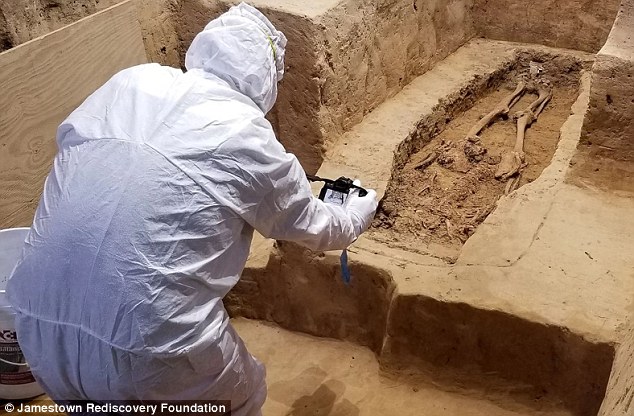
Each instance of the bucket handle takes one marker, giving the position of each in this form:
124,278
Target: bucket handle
12,363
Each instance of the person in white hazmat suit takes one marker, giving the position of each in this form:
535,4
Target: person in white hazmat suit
146,221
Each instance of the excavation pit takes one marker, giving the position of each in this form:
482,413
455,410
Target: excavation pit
487,316
447,186
480,302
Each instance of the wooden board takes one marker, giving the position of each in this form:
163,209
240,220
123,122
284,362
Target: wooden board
41,83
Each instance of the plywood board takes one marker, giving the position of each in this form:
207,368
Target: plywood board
41,83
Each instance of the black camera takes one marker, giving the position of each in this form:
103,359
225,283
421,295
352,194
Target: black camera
336,191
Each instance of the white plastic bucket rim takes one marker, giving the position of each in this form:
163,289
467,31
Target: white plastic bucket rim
11,245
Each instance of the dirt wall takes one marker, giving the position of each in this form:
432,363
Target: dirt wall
23,20
606,159
158,26
374,48
575,24
303,291
6,40
620,395
28,19
551,361
609,127
606,151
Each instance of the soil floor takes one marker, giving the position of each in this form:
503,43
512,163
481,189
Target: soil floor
440,205
317,376
309,376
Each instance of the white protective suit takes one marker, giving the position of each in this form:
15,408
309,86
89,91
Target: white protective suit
146,220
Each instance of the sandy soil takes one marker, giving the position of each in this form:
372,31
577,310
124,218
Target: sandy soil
308,376
440,205
576,24
316,376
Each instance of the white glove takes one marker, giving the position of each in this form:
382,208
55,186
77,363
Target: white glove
361,209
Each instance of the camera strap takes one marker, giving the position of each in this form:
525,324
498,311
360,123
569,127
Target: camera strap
342,185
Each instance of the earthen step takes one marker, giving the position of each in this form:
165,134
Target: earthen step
316,376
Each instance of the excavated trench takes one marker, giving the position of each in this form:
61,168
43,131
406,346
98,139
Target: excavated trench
443,185
450,338
417,330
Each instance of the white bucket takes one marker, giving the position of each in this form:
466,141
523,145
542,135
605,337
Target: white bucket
16,380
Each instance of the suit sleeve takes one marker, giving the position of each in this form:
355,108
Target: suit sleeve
272,194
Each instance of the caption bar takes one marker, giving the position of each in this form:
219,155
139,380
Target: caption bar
153,408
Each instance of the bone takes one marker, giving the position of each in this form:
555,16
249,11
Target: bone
529,115
429,159
501,109
512,184
513,161
510,165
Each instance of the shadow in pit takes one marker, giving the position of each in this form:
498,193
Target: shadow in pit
325,397
463,347
301,290
480,347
